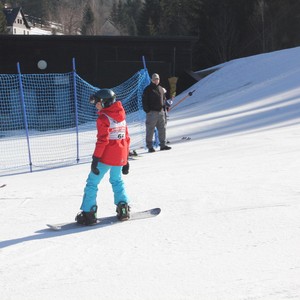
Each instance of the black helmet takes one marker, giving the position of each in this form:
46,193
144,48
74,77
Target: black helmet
106,96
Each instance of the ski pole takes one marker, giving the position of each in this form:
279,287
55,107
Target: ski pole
181,100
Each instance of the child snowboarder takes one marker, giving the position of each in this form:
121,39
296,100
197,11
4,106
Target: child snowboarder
110,154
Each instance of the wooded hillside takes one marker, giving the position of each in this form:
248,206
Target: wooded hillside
226,29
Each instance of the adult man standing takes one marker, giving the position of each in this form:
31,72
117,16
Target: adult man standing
153,107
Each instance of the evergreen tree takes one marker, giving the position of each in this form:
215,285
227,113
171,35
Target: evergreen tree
195,14
114,14
118,16
149,21
87,27
282,24
132,27
132,10
174,19
125,14
36,8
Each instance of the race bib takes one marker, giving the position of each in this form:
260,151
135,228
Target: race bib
117,130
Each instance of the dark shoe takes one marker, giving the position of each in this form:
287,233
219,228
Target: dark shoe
87,218
151,150
123,211
165,148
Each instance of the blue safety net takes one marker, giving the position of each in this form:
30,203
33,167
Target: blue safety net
46,120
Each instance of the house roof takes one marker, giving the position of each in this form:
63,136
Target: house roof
11,15
109,28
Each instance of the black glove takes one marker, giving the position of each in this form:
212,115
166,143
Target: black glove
125,169
94,168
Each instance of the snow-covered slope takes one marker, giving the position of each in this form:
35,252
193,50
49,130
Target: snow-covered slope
229,226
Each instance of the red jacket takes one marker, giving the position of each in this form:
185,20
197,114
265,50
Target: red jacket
112,146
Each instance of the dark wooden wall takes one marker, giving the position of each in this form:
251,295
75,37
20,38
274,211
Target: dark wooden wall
102,61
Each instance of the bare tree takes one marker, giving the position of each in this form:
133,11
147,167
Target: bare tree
70,16
258,22
225,36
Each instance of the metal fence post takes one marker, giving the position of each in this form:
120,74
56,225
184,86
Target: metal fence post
76,107
24,114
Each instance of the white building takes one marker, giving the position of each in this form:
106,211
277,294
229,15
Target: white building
16,21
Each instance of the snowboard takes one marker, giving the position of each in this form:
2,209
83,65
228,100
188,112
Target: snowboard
105,221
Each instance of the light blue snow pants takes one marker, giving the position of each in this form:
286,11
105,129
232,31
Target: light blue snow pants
93,180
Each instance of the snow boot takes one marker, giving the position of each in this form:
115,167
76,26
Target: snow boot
123,211
87,218
165,148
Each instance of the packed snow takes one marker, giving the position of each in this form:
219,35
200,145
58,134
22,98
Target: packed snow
230,221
